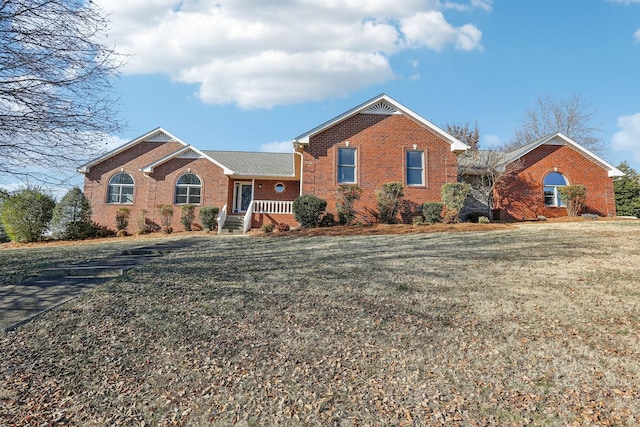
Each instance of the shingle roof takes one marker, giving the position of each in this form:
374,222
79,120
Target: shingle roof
255,163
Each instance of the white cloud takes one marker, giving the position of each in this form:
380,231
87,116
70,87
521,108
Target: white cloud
626,2
636,36
277,147
628,138
258,54
486,5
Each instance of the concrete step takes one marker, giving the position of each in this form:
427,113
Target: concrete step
86,271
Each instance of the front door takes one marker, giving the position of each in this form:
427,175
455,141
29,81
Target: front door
242,195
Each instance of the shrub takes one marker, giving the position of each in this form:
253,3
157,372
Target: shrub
453,195
307,210
187,215
283,226
3,233
389,197
475,216
483,220
418,220
209,217
26,214
142,222
122,218
347,196
71,218
166,213
432,211
574,197
328,220
267,228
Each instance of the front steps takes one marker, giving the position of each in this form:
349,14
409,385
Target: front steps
233,225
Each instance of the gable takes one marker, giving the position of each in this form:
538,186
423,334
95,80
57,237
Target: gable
382,105
158,135
558,139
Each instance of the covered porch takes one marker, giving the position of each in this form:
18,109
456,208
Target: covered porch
260,201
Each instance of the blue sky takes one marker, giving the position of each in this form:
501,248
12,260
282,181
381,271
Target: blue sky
251,75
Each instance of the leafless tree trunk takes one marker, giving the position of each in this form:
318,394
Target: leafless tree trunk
574,117
56,97
486,171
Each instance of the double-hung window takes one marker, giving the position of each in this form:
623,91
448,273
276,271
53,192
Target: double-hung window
346,165
415,167
188,189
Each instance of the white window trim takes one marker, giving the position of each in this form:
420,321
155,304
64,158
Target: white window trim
406,169
557,203
120,187
355,166
188,187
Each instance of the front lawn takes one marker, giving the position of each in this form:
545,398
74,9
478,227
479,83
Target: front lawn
533,324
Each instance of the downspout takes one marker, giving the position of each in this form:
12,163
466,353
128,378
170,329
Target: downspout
301,166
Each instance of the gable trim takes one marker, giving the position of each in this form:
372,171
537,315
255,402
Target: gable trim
383,104
187,152
612,171
156,135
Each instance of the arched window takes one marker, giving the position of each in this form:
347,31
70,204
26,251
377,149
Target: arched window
188,189
552,182
120,188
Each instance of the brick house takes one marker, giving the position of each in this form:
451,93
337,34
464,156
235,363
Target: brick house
376,142
539,169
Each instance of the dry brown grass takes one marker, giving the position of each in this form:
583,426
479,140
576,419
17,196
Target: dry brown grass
532,324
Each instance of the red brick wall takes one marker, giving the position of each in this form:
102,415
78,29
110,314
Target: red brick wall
158,188
523,196
381,142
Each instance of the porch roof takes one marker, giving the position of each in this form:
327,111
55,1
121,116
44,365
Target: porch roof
255,164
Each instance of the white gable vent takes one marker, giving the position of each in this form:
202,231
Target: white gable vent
159,137
189,154
381,108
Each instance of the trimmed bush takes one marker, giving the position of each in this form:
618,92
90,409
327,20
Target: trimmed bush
166,213
307,210
267,228
483,220
187,215
282,227
453,195
431,212
71,218
347,196
389,197
209,217
26,214
328,220
122,219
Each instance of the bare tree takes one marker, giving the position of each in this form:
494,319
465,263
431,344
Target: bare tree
56,95
574,117
465,133
487,171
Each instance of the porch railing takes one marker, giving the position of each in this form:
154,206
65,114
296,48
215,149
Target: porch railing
247,217
272,207
222,218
